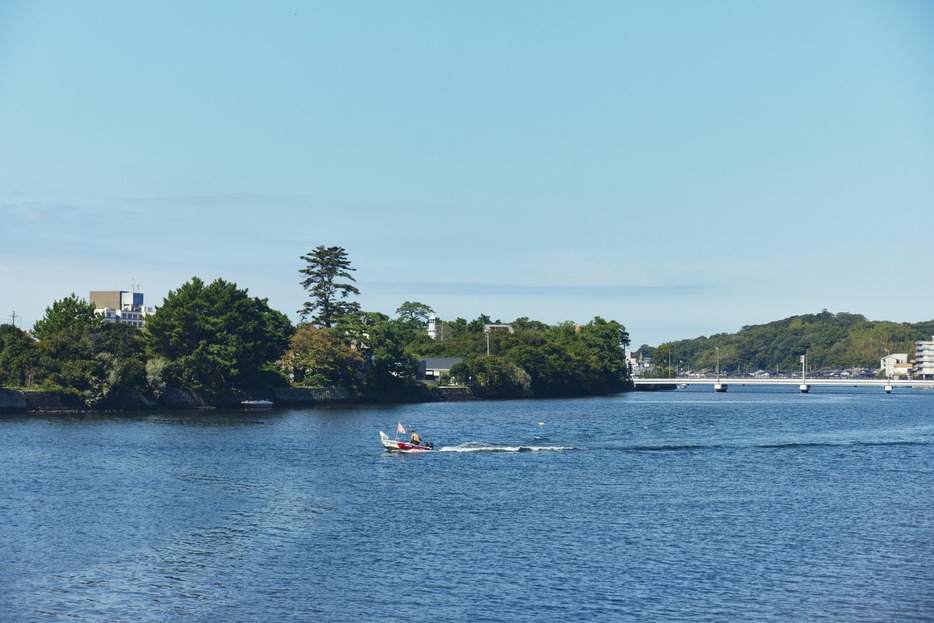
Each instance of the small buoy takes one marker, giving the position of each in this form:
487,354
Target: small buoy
541,423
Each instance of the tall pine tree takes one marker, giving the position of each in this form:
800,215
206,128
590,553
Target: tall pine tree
328,280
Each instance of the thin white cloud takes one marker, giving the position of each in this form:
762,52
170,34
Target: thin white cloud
526,290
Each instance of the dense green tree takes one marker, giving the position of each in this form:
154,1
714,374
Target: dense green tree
492,377
316,358
388,369
328,280
534,359
71,315
477,324
604,345
548,366
524,324
121,349
216,337
414,314
541,360
455,328
80,352
67,335
18,357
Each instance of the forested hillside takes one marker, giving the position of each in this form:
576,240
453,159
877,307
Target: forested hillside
832,342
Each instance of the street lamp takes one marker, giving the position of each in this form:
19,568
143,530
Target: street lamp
718,386
804,362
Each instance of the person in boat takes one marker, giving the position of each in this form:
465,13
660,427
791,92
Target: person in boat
415,438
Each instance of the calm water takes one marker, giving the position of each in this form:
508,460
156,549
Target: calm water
754,505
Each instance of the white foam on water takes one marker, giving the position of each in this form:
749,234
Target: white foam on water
476,446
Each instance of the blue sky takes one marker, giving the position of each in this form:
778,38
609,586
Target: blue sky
685,168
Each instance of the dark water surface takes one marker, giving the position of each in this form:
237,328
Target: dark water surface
754,505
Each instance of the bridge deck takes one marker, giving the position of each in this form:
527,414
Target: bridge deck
812,382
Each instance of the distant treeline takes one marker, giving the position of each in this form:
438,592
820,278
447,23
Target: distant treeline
831,341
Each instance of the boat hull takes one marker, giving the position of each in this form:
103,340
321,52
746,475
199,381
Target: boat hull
256,404
394,445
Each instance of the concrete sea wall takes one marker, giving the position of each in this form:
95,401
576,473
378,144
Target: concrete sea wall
14,401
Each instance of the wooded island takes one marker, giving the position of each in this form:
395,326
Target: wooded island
217,340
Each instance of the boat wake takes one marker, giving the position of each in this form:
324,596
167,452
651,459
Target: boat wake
482,446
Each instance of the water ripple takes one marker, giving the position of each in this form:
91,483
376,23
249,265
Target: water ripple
636,508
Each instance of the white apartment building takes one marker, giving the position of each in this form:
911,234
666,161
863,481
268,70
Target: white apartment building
121,306
924,359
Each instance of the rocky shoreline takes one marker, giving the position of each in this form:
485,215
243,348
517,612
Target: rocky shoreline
23,402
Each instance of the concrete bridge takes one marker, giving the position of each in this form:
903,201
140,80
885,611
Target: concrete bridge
804,384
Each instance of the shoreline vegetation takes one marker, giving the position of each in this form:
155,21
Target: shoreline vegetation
212,345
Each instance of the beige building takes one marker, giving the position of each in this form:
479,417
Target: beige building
895,364
121,306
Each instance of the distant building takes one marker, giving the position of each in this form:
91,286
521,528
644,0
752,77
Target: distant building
432,368
903,370
120,306
894,365
640,365
924,359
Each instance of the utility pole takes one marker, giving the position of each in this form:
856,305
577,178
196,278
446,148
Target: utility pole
13,317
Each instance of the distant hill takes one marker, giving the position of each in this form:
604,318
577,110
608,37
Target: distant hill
832,341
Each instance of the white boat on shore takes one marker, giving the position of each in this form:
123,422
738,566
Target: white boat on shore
256,404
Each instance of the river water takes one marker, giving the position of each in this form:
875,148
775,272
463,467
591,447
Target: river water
754,505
